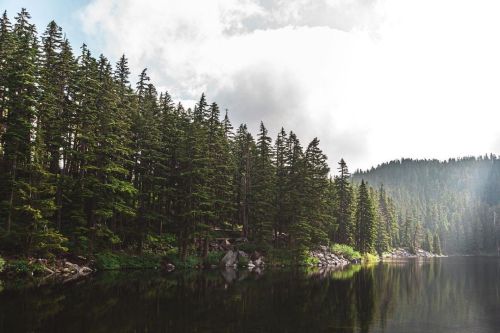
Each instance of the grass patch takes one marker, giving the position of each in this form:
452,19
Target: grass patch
115,260
346,251
190,261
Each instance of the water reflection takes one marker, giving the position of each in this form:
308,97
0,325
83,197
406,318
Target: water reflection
441,295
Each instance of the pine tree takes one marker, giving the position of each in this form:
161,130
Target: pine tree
19,117
7,47
295,219
385,222
427,245
123,203
263,186
147,146
316,193
83,169
365,221
436,244
416,236
244,153
280,189
343,206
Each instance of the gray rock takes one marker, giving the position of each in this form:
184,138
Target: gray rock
169,267
230,259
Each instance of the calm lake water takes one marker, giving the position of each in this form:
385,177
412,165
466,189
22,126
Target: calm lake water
439,295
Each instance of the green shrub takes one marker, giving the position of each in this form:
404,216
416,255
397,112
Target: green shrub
346,251
112,261
48,242
369,258
189,262
2,264
159,245
107,261
250,247
214,257
310,261
243,261
23,267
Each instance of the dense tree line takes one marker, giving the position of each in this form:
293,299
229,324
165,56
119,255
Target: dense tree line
454,202
90,162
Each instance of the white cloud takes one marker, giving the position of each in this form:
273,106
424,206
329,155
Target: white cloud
374,80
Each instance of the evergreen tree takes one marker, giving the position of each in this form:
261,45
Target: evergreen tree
428,242
295,220
280,189
436,244
316,193
365,221
385,222
19,116
343,206
244,153
263,186
7,48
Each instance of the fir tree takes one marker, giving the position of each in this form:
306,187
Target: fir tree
343,206
365,221
316,193
436,244
427,244
263,187
280,189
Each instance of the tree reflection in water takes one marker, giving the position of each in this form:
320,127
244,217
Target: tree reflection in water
445,295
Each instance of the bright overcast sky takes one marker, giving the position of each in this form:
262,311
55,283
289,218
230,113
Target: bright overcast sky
374,80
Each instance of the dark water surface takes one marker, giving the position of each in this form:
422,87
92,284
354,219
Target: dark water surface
440,295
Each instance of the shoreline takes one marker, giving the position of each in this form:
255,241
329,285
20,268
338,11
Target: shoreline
72,268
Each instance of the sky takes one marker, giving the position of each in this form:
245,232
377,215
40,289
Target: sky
374,80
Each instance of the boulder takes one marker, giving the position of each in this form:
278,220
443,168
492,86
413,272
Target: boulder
230,259
323,248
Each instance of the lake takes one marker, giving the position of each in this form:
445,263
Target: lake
456,294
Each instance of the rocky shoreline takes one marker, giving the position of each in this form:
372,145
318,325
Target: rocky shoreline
326,258
322,257
79,267
405,253
61,269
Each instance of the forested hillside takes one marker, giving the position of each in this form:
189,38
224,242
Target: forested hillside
457,198
91,162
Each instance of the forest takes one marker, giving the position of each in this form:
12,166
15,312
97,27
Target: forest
457,199
92,160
